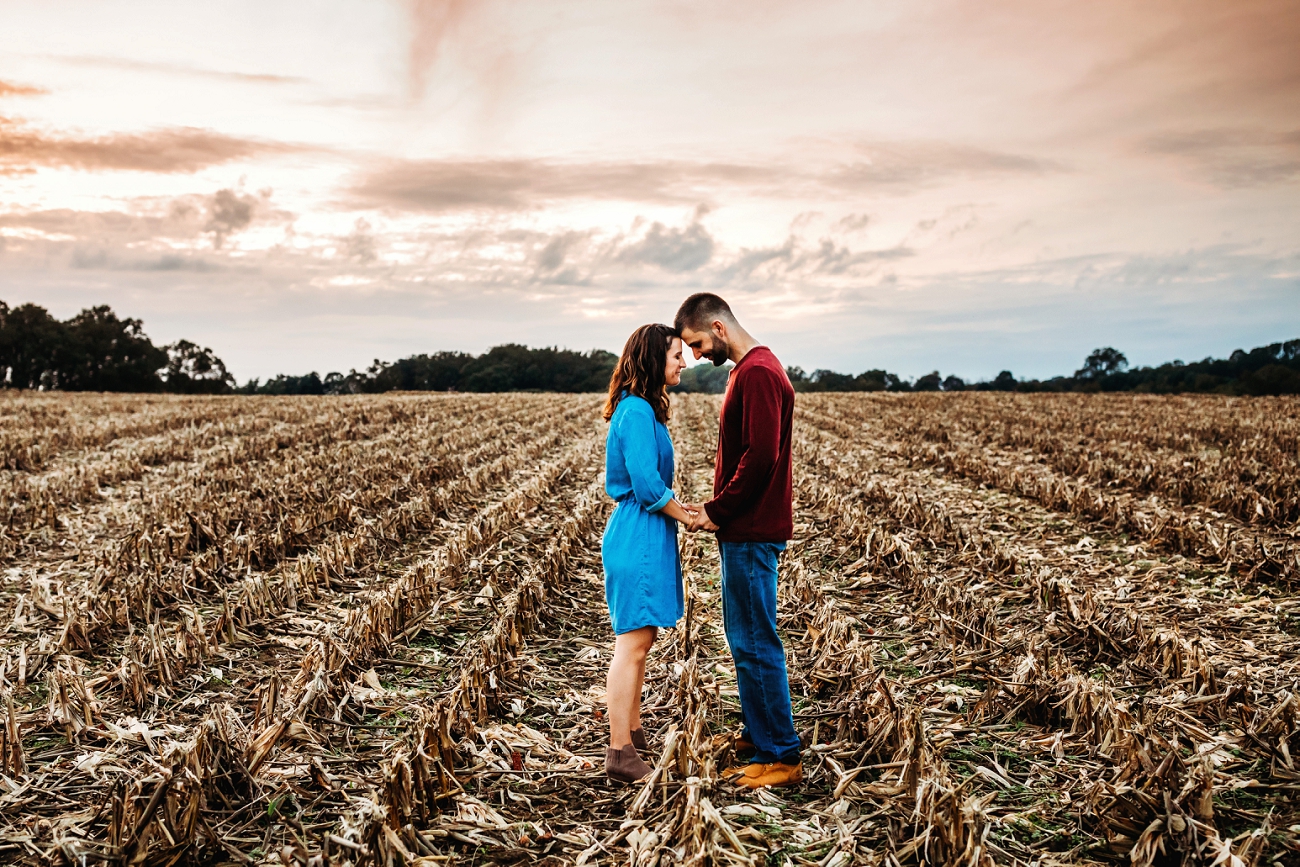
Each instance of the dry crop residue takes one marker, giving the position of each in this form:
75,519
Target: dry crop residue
1022,629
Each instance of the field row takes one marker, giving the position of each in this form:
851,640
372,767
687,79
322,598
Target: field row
390,645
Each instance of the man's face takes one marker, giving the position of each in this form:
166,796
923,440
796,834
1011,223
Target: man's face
711,344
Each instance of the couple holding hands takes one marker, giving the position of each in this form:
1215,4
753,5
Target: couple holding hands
750,513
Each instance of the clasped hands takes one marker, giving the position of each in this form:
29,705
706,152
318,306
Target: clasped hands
699,519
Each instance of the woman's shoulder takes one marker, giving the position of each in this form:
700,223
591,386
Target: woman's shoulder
634,410
631,403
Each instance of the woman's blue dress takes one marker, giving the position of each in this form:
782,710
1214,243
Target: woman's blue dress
643,575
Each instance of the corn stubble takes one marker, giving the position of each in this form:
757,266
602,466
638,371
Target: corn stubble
1049,629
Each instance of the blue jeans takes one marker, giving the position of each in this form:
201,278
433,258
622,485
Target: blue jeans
749,619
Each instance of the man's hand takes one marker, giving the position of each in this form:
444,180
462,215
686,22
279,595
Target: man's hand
701,520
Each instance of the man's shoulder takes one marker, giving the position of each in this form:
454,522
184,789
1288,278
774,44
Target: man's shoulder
763,367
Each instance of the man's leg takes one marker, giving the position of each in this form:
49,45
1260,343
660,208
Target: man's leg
727,619
749,617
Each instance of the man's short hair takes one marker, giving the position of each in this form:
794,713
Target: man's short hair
700,310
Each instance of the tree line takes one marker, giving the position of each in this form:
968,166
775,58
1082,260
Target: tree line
98,351
510,367
1264,370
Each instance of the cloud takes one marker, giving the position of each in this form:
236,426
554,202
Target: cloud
160,239
65,221
834,259
793,260
677,250
750,261
1205,57
515,184
228,212
853,223
99,259
906,166
433,22
1235,158
10,89
442,185
553,260
177,69
165,231
360,245
182,150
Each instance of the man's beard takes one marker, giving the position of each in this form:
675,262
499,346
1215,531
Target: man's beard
719,352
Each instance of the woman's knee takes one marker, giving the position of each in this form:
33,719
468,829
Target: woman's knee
636,643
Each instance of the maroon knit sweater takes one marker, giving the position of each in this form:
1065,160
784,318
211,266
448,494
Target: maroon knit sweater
752,477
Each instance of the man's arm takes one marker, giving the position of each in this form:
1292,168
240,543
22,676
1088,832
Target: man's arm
761,425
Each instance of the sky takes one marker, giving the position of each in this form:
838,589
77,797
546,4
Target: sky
968,187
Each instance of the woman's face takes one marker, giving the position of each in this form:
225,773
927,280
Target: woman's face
676,363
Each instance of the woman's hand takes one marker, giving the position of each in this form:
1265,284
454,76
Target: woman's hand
678,512
700,519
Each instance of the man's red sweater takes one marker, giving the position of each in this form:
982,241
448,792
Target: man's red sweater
752,477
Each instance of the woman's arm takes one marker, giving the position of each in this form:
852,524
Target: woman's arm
678,512
636,433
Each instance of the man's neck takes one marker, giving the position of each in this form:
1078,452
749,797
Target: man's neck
740,345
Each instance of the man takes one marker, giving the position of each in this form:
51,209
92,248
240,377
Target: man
751,514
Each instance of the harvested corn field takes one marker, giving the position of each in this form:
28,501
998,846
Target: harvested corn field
371,630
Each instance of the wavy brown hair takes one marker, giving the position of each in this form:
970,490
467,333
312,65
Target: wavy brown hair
640,370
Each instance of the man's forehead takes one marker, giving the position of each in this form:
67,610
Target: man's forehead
690,335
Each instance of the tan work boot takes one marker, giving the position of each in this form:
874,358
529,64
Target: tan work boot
757,775
624,765
639,741
742,772
743,748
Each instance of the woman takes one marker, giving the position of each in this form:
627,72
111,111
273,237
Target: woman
643,577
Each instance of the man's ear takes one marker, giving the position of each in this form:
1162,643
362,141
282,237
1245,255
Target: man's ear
719,328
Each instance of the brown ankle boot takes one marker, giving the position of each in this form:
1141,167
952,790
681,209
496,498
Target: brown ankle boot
625,765
639,741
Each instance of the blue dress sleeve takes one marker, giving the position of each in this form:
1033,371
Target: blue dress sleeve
636,431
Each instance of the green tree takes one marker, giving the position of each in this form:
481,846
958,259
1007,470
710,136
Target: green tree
441,371
1004,381
1272,379
106,353
704,379
194,369
930,382
309,383
1102,363
33,347
513,367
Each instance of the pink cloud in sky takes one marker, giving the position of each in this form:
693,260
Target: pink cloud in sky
896,184
184,150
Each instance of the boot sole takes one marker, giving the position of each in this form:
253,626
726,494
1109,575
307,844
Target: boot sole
771,785
621,781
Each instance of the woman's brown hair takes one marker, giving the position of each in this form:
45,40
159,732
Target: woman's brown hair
640,370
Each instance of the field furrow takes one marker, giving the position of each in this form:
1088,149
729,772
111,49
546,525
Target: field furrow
371,630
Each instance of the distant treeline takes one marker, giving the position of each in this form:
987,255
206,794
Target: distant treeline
1272,369
97,351
502,368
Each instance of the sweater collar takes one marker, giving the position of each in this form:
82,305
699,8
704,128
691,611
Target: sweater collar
749,355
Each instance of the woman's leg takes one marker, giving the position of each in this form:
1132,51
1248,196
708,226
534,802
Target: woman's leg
623,686
634,718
